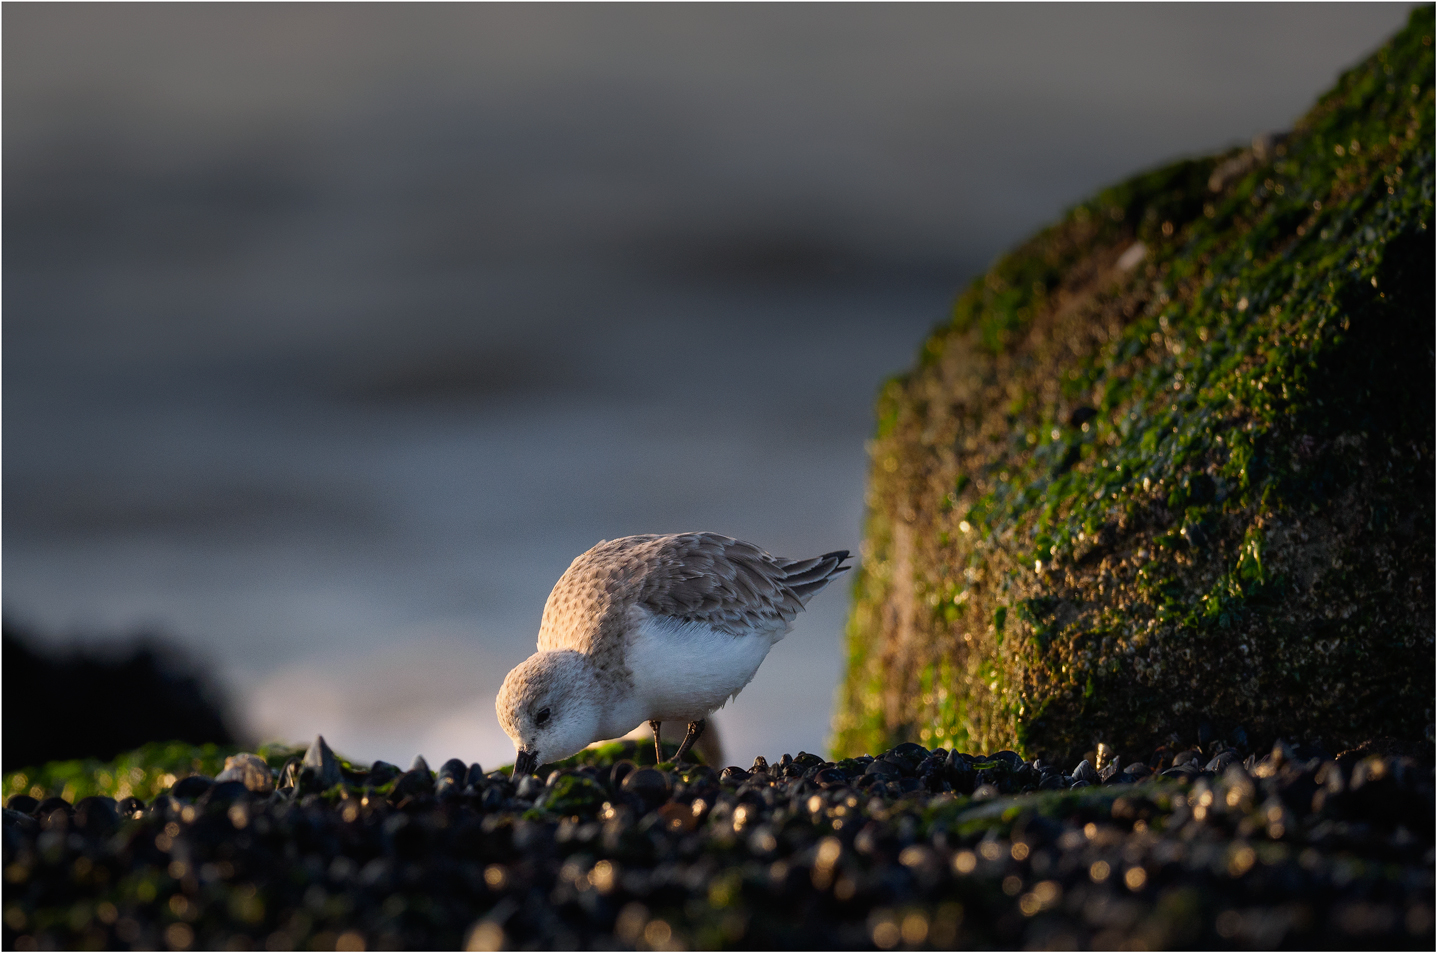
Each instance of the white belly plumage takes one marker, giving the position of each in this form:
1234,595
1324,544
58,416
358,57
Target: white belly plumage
684,671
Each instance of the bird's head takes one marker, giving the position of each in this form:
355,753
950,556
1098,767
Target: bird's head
550,708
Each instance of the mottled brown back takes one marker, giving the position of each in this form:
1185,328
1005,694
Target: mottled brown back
728,584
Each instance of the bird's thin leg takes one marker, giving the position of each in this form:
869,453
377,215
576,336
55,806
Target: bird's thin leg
658,748
696,728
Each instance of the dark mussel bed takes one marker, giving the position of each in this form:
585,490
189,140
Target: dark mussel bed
915,848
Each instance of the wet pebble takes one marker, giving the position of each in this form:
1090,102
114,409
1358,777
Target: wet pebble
192,787
884,770
417,784
23,803
381,773
250,770
21,822
51,804
648,784
322,762
451,777
225,792
529,787
1220,763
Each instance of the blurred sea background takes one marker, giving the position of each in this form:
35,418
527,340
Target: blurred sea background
332,333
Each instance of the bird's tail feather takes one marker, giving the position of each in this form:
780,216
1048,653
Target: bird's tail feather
805,577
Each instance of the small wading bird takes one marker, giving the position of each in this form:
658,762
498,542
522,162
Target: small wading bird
651,628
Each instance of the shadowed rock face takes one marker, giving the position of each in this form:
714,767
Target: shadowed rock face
1170,465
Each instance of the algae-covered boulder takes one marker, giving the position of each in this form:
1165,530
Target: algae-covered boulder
1171,460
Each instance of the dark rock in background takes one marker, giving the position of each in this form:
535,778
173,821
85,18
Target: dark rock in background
96,704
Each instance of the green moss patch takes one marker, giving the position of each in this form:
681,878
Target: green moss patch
143,773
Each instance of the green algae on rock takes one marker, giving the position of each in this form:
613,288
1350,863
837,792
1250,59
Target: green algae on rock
1172,459
143,773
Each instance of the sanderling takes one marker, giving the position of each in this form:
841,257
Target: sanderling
651,628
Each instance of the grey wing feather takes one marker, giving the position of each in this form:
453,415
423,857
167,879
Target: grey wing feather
732,585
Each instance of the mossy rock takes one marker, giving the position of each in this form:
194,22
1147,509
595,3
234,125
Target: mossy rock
1171,459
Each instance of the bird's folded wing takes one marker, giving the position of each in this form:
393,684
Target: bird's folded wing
731,585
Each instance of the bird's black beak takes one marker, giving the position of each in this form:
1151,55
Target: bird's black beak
525,763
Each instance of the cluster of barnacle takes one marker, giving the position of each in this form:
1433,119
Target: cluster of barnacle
914,848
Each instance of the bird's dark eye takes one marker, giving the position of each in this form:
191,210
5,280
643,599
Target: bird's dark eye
543,717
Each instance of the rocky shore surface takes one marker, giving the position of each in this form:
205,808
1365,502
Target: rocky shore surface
1214,846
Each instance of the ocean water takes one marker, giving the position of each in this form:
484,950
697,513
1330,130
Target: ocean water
333,333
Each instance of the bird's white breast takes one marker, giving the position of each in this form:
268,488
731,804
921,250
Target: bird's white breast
683,671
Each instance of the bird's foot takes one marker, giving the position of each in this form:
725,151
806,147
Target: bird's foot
696,728
658,746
